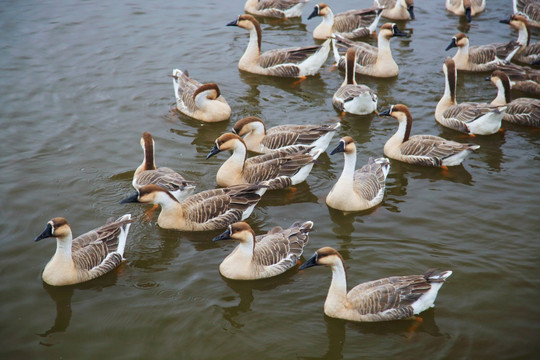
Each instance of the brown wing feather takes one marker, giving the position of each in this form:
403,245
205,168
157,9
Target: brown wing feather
524,111
369,180
293,55
164,177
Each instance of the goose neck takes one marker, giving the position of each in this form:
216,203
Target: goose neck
337,293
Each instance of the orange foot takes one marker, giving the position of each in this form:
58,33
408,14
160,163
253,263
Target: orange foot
299,81
444,170
416,324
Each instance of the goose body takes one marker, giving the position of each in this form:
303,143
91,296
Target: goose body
351,97
147,173
427,150
469,8
396,9
528,8
201,102
208,210
523,111
86,257
263,256
361,189
293,62
278,169
392,298
526,53
370,60
469,118
275,8
352,24
261,140
522,78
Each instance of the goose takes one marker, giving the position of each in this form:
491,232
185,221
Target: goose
263,256
207,210
396,9
523,111
480,58
201,102
361,189
280,168
392,298
89,255
352,24
469,118
527,53
427,150
147,173
522,78
295,62
261,140
351,97
469,8
528,8
370,60
275,8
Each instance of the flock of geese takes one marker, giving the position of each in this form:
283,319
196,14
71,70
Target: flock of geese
287,153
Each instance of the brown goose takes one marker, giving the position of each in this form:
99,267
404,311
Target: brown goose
278,169
530,9
86,257
396,9
293,62
261,140
526,53
427,150
280,9
263,256
147,173
523,111
352,24
392,298
522,78
207,210
469,8
201,102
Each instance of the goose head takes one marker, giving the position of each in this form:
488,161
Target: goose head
459,40
245,21
402,114
320,9
206,92
521,24
57,227
410,7
240,231
346,145
502,82
390,30
324,256
247,125
467,9
150,194
227,141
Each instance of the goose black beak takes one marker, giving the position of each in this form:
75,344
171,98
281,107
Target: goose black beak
339,148
451,45
314,13
233,23
410,9
224,235
213,152
312,261
385,112
131,199
468,14
45,233
505,21
398,32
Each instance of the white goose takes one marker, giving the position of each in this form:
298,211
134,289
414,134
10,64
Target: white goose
527,53
361,189
208,210
147,173
296,62
263,256
529,8
396,9
351,97
469,118
370,60
201,102
352,24
261,140
427,150
86,257
278,169
392,298
469,8
280,9
523,111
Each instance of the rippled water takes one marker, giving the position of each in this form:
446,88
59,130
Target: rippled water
83,80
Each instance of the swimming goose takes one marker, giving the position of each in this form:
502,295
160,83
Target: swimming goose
529,8
275,8
352,24
468,8
370,60
295,62
263,256
361,189
351,97
279,169
147,173
527,53
258,139
208,210
427,150
396,9
201,102
469,117
483,57
392,298
523,111
89,255
522,78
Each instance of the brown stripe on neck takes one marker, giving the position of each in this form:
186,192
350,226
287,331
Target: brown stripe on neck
349,68
148,151
256,25
451,73
205,87
404,109
506,84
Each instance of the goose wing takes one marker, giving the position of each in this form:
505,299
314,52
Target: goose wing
351,20
531,53
483,54
531,8
349,92
186,88
467,112
430,150
285,135
164,177
524,111
365,54
280,5
293,55
369,180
